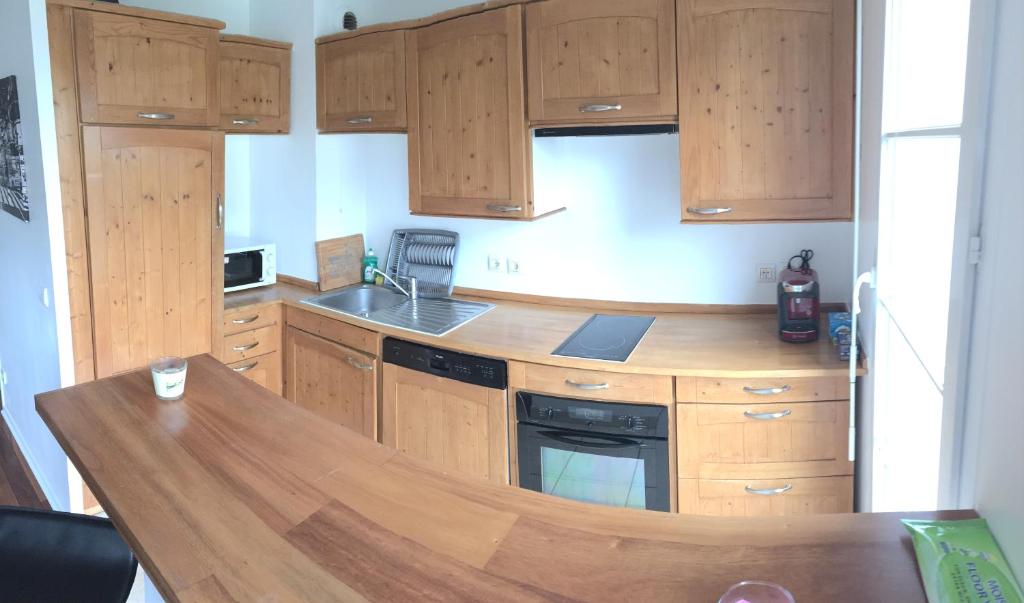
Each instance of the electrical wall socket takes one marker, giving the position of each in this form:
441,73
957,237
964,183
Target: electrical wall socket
514,267
767,273
495,263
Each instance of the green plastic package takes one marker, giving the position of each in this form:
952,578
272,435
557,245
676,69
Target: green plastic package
961,562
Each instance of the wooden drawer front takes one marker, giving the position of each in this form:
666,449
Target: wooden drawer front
249,344
747,441
265,370
778,497
249,319
755,391
597,385
334,330
134,70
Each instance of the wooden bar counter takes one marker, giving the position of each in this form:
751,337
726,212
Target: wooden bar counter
234,494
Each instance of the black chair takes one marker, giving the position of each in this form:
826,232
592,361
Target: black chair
52,556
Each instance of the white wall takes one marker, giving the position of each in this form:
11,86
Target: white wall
29,344
621,237
993,468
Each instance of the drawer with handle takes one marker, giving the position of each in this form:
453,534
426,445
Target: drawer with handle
764,498
709,390
597,385
747,441
249,344
266,370
251,318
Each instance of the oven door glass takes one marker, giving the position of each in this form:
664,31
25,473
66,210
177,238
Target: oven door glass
596,468
243,268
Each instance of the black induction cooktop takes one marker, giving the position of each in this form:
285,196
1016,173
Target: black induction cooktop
606,337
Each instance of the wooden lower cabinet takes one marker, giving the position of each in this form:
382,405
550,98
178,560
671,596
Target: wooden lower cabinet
461,427
331,380
264,370
761,498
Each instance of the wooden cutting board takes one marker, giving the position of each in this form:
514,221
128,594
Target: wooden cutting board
339,262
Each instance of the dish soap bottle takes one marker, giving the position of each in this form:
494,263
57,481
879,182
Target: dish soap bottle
369,265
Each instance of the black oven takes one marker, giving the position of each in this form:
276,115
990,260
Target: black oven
598,452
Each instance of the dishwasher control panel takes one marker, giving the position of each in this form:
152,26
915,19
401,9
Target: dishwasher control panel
475,370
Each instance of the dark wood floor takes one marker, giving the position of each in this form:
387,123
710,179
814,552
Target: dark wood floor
17,485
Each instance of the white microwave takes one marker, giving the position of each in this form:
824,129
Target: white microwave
250,266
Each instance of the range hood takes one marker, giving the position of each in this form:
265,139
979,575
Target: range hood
606,130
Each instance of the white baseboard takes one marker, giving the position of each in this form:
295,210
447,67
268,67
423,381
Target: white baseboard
33,465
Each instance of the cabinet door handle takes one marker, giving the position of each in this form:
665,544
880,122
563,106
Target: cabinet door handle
220,211
245,348
767,416
359,120
586,386
767,391
245,321
359,365
505,209
768,491
157,116
246,121
599,108
246,368
708,211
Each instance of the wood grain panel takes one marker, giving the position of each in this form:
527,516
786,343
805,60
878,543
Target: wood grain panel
710,390
766,114
602,52
154,251
597,385
458,426
128,66
59,21
255,86
252,343
246,319
267,370
361,84
468,141
746,441
730,498
335,330
332,381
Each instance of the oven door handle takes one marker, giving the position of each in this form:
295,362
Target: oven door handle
610,441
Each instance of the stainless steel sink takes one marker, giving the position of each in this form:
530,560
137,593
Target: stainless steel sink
361,300
376,304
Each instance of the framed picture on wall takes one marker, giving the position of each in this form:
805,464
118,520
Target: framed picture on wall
13,184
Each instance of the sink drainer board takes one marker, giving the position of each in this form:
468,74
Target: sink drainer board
428,256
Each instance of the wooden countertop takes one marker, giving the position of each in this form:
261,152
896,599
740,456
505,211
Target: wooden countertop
679,343
234,494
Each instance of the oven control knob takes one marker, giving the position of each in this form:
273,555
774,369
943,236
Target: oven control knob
629,422
549,413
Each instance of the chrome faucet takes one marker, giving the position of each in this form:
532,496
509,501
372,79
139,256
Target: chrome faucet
411,293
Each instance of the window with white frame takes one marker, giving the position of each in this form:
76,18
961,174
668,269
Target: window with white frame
922,107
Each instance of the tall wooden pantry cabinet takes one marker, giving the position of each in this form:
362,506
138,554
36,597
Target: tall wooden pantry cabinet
142,182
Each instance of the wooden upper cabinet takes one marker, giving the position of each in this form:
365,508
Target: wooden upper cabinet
601,60
360,83
133,70
255,85
468,141
156,245
766,109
